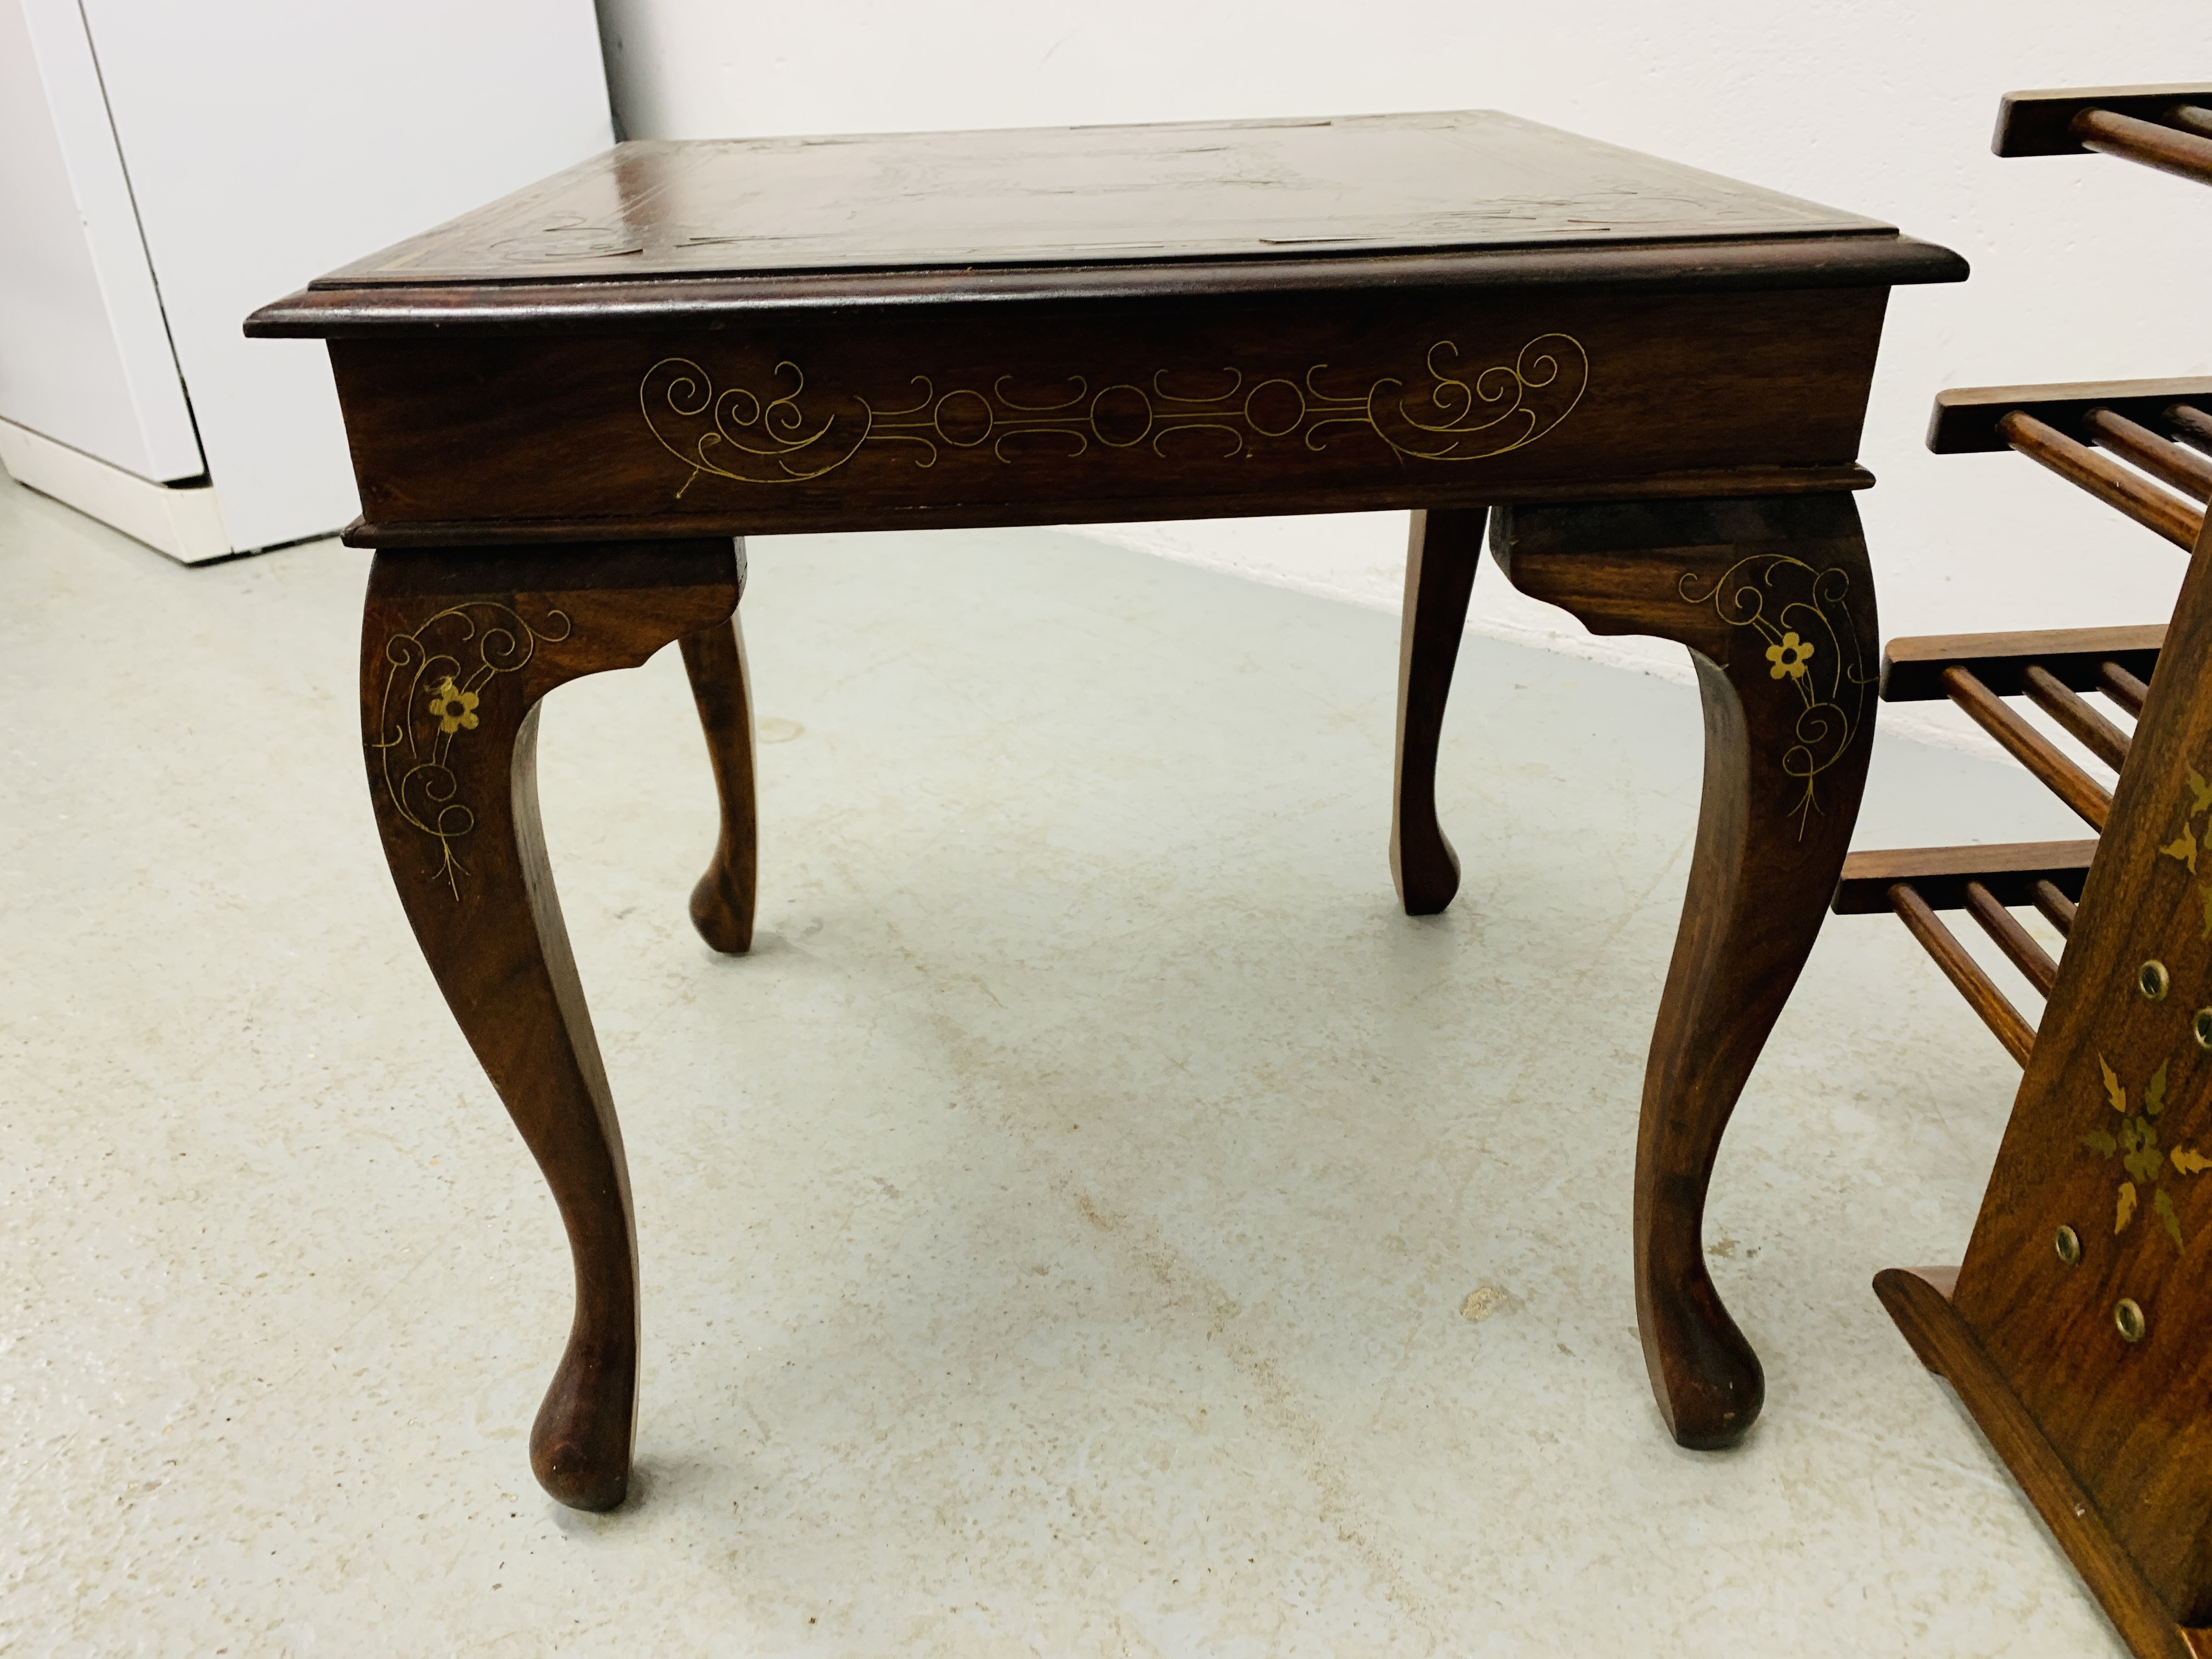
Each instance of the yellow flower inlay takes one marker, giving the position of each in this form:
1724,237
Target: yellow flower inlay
1789,658
454,709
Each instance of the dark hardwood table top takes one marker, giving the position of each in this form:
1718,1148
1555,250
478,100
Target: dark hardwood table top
1248,190
1471,195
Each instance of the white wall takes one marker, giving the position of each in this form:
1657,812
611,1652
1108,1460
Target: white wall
2085,267
267,142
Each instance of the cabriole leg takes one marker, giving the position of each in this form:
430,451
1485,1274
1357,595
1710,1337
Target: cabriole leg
1440,555
1774,600
459,644
722,903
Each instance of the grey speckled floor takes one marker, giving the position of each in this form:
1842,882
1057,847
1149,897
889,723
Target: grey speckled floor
1058,1237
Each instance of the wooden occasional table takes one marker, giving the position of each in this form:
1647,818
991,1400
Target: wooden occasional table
1647,383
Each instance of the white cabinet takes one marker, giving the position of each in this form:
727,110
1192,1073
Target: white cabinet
164,169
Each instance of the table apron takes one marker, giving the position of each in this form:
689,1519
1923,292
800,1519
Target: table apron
1315,404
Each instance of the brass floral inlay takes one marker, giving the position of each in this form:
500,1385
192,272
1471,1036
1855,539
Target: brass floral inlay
2186,845
1811,647
2135,1144
1789,658
455,709
780,432
434,682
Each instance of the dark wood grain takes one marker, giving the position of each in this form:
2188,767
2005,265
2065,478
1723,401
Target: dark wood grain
1440,555
2106,479
1442,313
2126,1417
1704,484
2041,123
1963,421
1216,189
722,903
2168,462
1912,667
2117,682
2074,1330
996,416
1991,1006
2059,908
2011,870
1746,584
457,652
2088,798
1918,1300
2015,940
456,310
2084,724
2146,143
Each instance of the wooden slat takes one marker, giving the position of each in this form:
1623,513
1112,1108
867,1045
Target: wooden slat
2009,937
2145,143
2103,478
2011,870
1982,995
1965,418
2057,909
2040,123
1912,668
2164,459
2090,800
2091,729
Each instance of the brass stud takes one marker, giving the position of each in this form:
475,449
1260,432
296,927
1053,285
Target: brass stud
2201,1027
2129,1318
2070,1246
2152,981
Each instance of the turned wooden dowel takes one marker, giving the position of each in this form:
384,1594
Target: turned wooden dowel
2164,459
1982,995
2190,117
2015,940
2030,748
2102,477
2091,729
2191,425
2185,154
2121,687
2057,909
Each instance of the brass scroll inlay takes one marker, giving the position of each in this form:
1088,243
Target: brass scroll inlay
1811,647
435,680
780,432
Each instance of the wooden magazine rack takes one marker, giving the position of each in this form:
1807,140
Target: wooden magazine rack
2078,1330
